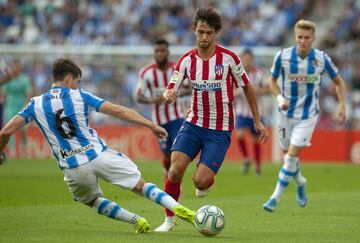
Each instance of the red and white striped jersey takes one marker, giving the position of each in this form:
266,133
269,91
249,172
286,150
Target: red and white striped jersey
257,76
153,82
213,82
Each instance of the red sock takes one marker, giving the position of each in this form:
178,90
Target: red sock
257,151
173,189
242,147
166,164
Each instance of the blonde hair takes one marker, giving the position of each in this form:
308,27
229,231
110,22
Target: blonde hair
305,24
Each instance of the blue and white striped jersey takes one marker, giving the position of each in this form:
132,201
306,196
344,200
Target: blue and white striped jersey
62,114
301,79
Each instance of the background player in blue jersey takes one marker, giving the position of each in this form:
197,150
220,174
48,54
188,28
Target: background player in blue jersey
62,116
296,77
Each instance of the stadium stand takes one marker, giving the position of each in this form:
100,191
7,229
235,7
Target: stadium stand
134,22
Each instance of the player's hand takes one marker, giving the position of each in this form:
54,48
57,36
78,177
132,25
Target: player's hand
341,114
282,102
159,131
2,158
169,96
263,133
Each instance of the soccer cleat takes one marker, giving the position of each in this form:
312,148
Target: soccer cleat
184,213
301,195
246,166
166,227
201,193
141,225
270,205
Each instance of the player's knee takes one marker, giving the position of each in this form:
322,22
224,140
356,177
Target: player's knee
175,174
201,183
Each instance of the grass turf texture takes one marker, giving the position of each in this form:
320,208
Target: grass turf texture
35,206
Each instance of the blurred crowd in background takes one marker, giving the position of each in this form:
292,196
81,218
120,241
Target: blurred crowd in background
249,23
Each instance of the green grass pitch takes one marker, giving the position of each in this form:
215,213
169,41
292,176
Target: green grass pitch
35,206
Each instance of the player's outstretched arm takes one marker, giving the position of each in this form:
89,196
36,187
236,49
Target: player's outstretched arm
283,103
132,116
14,125
340,92
145,100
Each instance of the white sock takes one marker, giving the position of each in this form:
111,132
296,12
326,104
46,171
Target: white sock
112,210
298,178
286,173
152,192
169,219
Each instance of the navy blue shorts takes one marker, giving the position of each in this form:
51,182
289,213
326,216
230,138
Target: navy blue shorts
243,122
172,129
213,144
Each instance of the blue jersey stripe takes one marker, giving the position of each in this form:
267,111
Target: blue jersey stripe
328,67
70,112
32,110
293,84
309,86
277,66
86,113
50,118
311,62
308,100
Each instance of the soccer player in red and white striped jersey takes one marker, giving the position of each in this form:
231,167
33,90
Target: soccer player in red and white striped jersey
214,72
153,80
244,118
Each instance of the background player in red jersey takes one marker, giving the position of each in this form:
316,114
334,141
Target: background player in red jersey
213,72
244,118
153,80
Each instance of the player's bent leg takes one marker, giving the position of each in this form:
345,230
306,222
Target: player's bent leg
301,184
152,192
287,172
179,163
112,210
294,152
203,180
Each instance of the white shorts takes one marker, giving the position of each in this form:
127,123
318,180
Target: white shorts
296,132
111,166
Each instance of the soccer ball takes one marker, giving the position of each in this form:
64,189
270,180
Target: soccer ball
209,220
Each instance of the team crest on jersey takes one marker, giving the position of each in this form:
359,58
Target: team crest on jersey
219,69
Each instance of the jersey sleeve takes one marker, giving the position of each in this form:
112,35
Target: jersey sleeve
92,100
179,74
276,66
238,72
330,67
28,111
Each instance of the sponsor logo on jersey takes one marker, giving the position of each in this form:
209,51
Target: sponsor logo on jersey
219,69
66,154
206,86
304,78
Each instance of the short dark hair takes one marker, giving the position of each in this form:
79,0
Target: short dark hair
247,51
63,66
209,16
162,42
